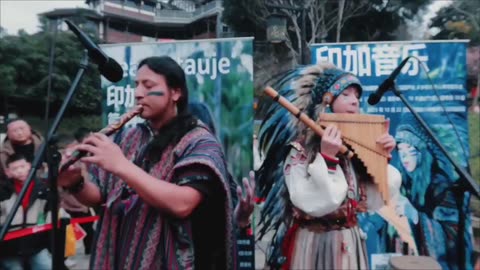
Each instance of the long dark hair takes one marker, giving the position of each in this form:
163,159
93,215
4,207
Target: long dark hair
173,131
174,75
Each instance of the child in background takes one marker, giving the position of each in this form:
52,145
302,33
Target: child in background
31,250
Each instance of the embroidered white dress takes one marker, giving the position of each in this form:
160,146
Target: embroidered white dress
318,191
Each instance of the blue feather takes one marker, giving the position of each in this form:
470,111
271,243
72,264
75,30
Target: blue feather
276,132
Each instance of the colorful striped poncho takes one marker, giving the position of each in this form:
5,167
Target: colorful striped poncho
134,235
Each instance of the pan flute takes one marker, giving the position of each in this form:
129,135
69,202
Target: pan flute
360,132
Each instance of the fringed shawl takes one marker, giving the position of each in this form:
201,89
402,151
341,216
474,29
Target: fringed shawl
135,235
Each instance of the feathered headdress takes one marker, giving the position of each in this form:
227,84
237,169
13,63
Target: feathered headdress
305,87
411,132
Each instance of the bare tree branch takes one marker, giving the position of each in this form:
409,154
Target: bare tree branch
317,13
471,16
341,6
293,50
311,15
298,32
321,15
356,9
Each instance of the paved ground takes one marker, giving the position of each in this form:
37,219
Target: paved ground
80,259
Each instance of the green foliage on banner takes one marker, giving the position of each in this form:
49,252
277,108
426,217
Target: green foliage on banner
230,97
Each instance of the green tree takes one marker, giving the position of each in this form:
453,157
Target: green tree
24,70
382,20
459,20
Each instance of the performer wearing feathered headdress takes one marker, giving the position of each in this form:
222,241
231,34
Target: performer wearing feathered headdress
312,191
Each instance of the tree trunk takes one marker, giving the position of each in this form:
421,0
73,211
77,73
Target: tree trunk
323,30
341,6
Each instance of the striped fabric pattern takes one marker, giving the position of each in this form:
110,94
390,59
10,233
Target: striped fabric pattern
337,249
134,235
316,246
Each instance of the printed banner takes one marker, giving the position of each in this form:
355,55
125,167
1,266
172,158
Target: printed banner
219,75
434,83
220,81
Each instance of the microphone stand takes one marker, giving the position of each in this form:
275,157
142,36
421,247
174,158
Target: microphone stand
53,160
464,184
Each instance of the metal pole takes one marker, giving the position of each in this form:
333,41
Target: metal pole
50,73
304,36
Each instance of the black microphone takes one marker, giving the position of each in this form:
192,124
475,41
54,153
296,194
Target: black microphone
375,97
107,66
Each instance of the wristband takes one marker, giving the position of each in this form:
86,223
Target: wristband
331,162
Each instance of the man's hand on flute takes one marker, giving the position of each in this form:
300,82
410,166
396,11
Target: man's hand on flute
103,152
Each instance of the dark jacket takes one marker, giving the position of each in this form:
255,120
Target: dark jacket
37,213
6,148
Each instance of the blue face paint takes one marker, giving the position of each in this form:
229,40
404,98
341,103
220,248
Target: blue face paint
156,93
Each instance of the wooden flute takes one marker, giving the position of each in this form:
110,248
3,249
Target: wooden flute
108,130
302,117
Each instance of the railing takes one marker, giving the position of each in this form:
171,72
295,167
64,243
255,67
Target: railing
131,4
209,8
118,2
176,16
181,16
186,5
148,8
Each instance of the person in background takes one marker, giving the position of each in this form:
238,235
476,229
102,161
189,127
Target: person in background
29,251
21,139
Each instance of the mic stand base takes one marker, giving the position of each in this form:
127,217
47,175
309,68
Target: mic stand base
53,161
